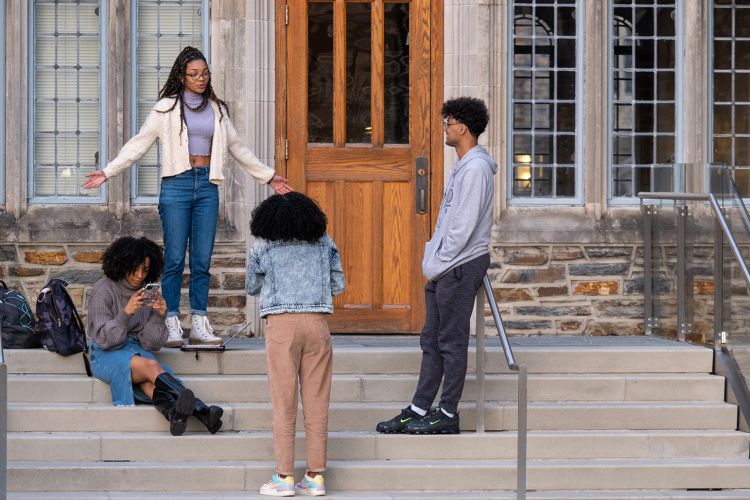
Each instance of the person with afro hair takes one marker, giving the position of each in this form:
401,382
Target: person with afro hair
455,261
295,268
196,138
126,325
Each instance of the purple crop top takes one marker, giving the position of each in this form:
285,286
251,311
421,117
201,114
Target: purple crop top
200,124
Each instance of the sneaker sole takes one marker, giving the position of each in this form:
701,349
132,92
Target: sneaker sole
444,431
174,343
277,493
400,431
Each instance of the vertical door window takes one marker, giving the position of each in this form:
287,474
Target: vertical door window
544,101
396,70
320,72
642,95
366,100
65,69
160,31
731,88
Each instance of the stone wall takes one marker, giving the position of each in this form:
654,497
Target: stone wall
568,289
28,267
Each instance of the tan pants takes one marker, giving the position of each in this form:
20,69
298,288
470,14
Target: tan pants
298,347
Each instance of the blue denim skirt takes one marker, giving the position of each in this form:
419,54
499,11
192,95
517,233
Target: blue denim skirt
113,368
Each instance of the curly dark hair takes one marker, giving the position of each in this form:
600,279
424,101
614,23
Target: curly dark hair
125,254
287,217
470,111
175,85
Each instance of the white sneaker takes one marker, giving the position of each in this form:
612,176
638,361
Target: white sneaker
202,333
175,332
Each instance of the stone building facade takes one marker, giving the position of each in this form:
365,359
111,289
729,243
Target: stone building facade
567,250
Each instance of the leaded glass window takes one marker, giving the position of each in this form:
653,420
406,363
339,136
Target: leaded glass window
545,100
642,86
161,30
731,88
66,142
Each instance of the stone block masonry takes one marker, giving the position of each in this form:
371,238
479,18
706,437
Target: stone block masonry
568,289
27,267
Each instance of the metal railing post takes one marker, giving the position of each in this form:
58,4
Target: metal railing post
682,316
480,397
719,335
522,391
522,433
648,262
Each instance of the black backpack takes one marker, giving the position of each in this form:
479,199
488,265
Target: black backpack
58,323
16,321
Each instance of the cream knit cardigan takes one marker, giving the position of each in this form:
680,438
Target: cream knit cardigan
175,158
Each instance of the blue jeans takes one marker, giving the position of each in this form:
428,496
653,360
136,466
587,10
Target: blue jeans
189,207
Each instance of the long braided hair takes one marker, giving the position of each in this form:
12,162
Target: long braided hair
174,86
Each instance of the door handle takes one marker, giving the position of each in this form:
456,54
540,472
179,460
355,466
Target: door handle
422,185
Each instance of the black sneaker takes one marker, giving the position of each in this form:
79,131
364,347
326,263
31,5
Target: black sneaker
398,423
435,422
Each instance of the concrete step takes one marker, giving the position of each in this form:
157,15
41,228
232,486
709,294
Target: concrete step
396,388
403,495
404,357
397,474
144,446
612,415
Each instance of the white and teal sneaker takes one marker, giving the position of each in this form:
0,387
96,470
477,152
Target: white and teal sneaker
278,487
311,486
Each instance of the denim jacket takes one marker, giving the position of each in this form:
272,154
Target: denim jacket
294,276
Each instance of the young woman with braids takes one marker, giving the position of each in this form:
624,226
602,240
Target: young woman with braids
196,137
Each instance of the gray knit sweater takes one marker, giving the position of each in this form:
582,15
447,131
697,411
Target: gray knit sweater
109,325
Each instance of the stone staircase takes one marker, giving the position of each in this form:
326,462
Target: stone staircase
617,418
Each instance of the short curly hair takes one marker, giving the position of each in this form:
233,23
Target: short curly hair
125,254
287,217
470,111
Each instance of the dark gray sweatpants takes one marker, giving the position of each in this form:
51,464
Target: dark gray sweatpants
449,302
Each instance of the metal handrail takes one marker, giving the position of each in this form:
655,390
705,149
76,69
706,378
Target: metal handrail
728,234
724,362
672,195
523,404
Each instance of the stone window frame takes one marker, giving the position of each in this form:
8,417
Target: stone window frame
670,175
102,12
578,164
732,136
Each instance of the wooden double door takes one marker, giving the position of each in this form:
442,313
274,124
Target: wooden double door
359,90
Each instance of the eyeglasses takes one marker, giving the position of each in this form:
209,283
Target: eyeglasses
447,123
199,76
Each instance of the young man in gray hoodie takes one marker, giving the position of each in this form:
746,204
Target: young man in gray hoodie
455,261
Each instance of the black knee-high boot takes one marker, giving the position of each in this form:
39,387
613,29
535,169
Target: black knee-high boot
175,401
210,416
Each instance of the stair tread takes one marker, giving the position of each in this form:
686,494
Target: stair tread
404,495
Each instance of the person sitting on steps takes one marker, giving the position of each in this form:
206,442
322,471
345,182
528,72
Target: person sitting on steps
127,325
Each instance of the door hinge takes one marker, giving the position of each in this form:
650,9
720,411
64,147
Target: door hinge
286,149
286,14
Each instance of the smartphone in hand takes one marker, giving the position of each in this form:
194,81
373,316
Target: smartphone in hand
149,293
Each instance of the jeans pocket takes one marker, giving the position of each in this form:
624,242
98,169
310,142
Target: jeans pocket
458,272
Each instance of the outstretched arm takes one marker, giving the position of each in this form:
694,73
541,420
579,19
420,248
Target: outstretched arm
131,152
252,165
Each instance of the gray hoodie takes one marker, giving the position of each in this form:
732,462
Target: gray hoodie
464,224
